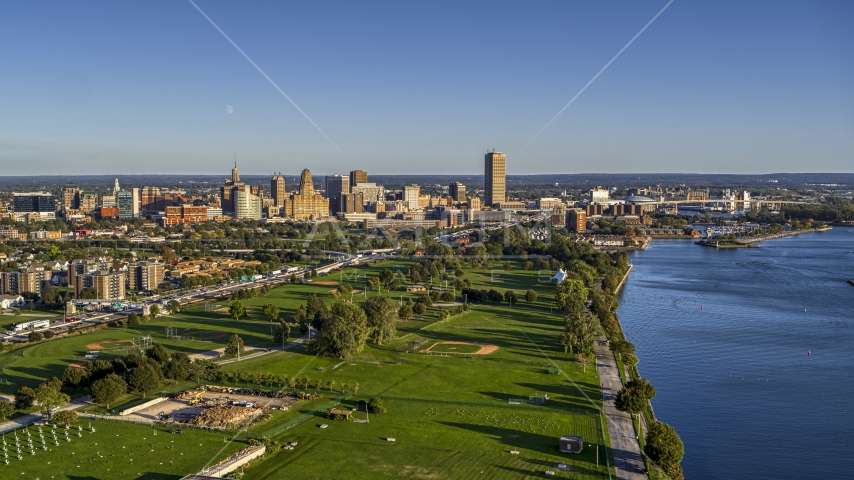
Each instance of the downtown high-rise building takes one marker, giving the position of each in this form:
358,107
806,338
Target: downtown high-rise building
457,191
277,190
336,186
495,178
357,177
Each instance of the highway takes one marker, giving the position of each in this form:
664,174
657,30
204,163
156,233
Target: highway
188,297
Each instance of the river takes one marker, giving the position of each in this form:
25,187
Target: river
724,337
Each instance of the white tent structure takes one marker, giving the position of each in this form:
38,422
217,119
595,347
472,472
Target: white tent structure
559,276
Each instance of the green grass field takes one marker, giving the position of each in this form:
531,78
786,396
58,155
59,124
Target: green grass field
434,440
117,450
451,415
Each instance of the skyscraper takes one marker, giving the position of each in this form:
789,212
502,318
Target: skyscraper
358,176
306,204
336,185
495,178
457,191
235,174
116,187
410,196
277,189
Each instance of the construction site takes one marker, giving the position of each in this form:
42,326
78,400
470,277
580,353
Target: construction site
214,407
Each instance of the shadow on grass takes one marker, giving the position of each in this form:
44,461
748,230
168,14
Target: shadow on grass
582,463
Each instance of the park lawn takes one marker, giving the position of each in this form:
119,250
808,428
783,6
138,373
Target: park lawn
117,450
438,440
516,279
528,345
34,364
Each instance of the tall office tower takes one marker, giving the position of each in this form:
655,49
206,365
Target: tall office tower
457,191
116,187
70,200
128,203
352,203
358,176
235,174
410,196
495,178
306,204
148,198
277,189
246,205
41,202
336,185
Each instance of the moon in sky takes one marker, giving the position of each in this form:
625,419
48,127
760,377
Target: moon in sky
228,109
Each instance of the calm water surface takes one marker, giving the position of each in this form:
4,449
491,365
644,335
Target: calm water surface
734,377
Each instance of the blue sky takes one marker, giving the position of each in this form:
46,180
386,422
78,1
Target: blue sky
405,87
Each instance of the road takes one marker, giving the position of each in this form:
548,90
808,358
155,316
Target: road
196,295
624,443
31,418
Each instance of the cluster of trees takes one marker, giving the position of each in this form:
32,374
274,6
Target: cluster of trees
107,381
344,329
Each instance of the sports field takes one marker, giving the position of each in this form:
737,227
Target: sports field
436,440
116,450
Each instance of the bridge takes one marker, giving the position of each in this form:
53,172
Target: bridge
729,203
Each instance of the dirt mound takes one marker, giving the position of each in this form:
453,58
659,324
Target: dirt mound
224,417
485,348
109,343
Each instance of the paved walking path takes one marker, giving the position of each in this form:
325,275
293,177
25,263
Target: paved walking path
31,418
265,352
624,443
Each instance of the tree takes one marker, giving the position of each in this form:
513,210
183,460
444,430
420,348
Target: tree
419,308
74,376
25,397
158,353
283,331
50,295
271,311
50,399
530,296
65,417
108,389
405,312
664,446
133,320
6,410
35,337
386,275
98,369
48,334
344,334
644,388
571,297
236,310
510,296
381,313
144,378
630,401
31,306
235,345
173,306
330,385
178,367
154,311
630,359
300,315
375,405
581,331
88,293
622,347
345,289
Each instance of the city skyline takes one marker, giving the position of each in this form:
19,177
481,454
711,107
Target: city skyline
706,88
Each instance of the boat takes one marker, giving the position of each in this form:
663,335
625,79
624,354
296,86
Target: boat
851,282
